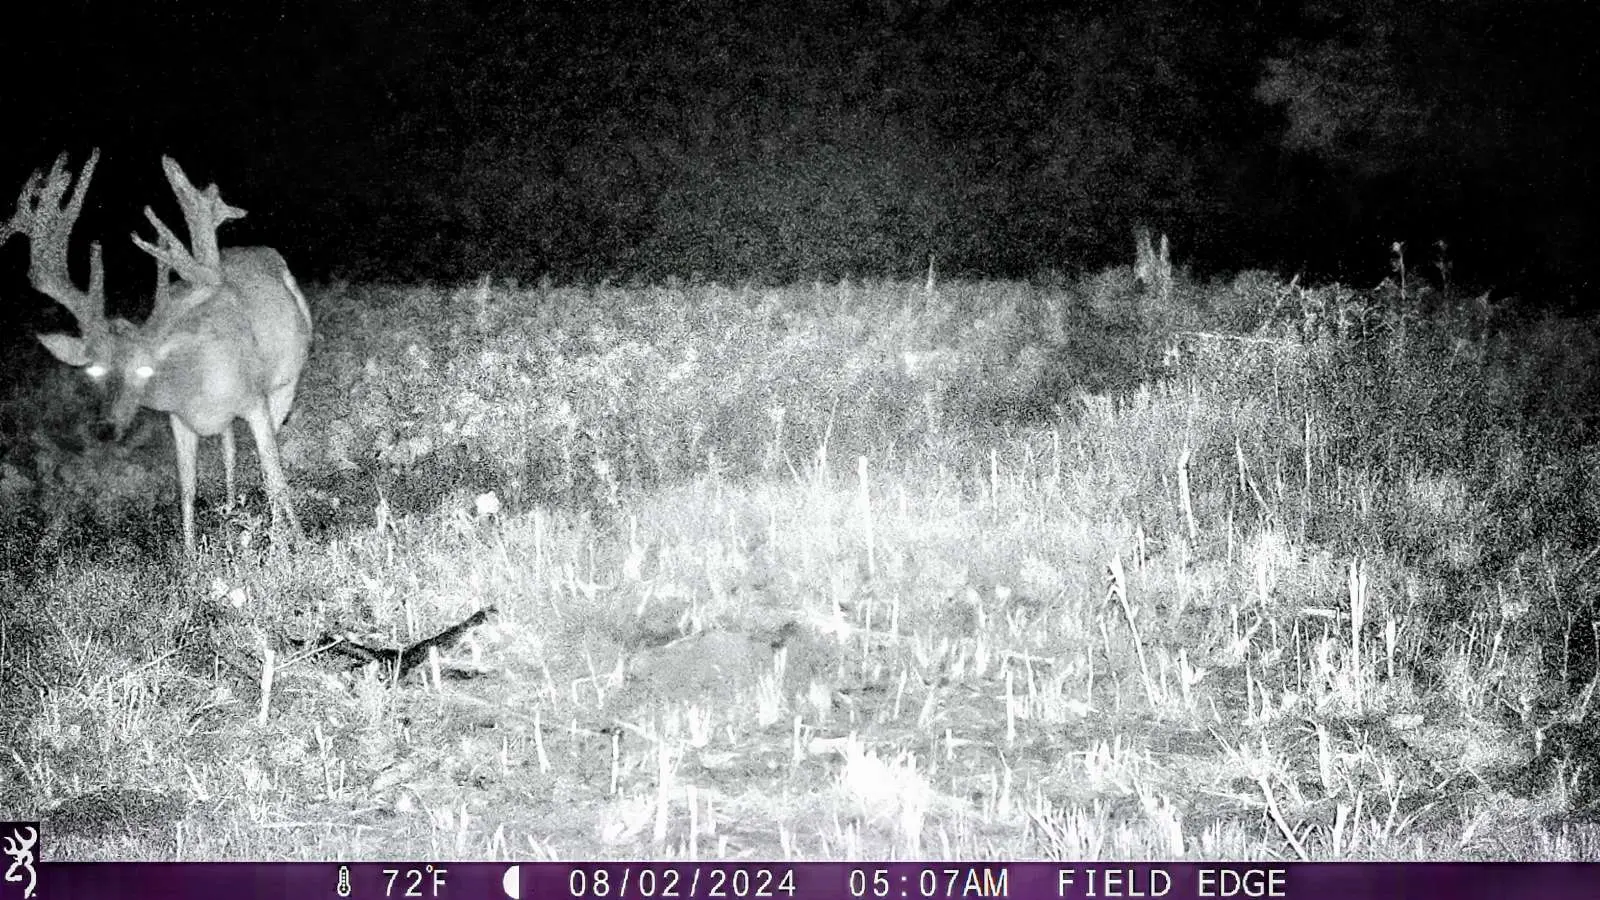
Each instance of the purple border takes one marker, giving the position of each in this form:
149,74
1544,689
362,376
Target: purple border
818,881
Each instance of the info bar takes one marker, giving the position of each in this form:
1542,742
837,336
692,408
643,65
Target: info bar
438,880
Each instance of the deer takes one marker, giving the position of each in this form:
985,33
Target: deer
227,336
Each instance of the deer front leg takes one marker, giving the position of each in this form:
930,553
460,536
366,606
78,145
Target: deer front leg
185,443
261,427
228,451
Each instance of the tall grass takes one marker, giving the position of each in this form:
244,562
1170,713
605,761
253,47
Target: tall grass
1066,569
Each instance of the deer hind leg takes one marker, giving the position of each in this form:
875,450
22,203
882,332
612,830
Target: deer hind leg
186,444
279,402
262,427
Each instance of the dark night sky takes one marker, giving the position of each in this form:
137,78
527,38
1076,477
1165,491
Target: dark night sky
783,141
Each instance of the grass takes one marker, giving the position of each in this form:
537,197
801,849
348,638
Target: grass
1072,570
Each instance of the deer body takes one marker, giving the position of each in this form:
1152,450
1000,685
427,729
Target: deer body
235,354
225,341
248,341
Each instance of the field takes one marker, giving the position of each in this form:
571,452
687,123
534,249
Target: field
1080,568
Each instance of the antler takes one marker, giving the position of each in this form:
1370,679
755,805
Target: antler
47,221
203,211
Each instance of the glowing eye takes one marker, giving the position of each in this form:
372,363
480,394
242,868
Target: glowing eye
95,371
144,371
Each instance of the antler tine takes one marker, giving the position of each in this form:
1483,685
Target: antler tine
58,174
163,277
170,253
48,223
21,221
204,212
97,276
203,208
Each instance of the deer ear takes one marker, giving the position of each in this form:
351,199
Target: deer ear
70,350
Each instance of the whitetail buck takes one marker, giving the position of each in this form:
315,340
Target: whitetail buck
226,341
